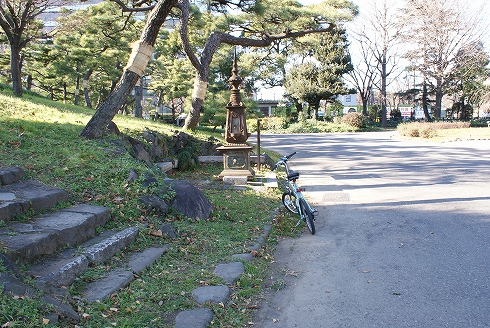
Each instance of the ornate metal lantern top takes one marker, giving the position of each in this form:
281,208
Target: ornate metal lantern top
235,80
236,127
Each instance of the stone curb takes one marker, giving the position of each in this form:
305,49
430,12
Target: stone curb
105,287
121,277
98,253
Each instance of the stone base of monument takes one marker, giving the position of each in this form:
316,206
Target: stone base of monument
236,161
235,180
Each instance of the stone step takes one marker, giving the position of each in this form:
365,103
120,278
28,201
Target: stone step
10,175
122,276
28,196
49,233
62,269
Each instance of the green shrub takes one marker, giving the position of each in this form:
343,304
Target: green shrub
186,161
480,122
274,123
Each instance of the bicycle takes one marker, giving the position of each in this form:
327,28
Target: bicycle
293,198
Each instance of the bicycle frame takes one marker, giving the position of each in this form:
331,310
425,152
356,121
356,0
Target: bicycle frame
302,207
293,188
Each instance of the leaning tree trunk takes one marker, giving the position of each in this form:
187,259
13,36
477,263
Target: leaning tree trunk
142,51
213,42
198,94
298,106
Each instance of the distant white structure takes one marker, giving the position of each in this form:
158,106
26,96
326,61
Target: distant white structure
349,102
266,107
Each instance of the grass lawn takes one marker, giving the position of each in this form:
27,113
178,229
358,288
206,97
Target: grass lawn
42,137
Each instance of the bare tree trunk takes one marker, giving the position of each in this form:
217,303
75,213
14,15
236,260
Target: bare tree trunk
85,88
77,91
138,95
142,50
439,95
384,122
29,82
15,70
364,107
424,100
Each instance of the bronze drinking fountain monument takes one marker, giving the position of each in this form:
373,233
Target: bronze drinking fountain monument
236,152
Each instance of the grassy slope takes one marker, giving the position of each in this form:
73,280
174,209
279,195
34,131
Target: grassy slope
42,137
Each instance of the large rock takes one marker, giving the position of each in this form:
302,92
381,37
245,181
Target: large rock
189,200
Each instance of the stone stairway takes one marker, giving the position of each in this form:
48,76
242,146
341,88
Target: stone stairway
58,245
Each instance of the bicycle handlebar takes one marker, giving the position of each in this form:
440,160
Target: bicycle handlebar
283,161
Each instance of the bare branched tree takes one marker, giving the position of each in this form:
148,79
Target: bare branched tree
379,36
439,32
18,22
362,77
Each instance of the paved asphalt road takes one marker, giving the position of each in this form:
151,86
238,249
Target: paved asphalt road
403,235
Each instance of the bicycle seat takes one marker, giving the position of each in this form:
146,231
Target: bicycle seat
293,175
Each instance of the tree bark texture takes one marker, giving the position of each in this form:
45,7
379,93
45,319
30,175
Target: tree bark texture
97,125
86,94
138,96
15,70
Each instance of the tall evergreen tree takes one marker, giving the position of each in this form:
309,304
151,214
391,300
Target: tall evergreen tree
321,78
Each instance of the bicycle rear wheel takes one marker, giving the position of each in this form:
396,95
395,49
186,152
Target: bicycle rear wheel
307,215
289,201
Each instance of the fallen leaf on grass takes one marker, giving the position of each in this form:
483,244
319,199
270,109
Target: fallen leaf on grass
156,233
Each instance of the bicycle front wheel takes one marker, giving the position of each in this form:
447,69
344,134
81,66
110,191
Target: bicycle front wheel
289,201
307,215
